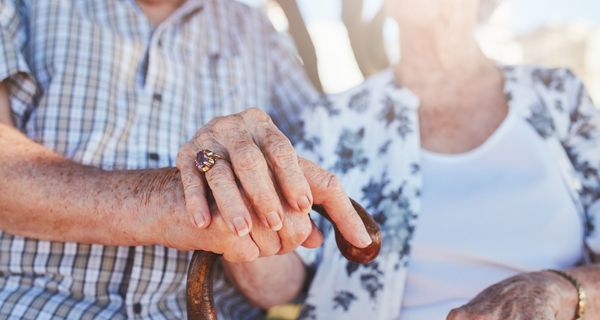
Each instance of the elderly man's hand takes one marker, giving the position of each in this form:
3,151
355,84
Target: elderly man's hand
261,164
537,295
177,232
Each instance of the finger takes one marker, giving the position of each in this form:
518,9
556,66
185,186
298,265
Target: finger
315,238
253,173
266,240
328,192
281,158
243,250
233,248
295,231
193,188
225,191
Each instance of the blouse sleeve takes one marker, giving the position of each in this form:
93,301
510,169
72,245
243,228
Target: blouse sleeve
582,144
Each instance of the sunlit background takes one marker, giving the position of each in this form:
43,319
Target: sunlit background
547,32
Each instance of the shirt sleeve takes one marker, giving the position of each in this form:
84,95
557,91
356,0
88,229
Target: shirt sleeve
582,144
291,90
14,70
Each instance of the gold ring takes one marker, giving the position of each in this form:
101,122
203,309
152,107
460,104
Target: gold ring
206,159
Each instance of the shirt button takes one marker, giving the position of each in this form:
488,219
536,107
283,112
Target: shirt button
157,97
153,156
137,308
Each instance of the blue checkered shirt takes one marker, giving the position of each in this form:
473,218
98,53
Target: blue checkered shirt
95,81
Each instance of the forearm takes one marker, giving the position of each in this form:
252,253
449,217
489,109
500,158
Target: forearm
45,196
268,281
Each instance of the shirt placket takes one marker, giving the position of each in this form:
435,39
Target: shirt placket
151,97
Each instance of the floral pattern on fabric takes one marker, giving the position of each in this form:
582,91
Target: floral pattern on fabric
369,137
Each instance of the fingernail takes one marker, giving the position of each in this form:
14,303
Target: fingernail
241,227
365,238
199,219
304,204
274,221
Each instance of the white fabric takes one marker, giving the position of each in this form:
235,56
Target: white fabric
508,188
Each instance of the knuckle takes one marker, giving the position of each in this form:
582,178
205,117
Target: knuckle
329,182
213,121
282,153
242,143
201,139
205,141
225,124
256,114
263,199
452,315
248,158
458,314
333,182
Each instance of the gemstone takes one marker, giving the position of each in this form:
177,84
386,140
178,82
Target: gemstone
202,158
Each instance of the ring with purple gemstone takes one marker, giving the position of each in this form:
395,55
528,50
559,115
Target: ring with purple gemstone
206,159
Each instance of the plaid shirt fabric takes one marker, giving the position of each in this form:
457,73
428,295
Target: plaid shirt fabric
96,82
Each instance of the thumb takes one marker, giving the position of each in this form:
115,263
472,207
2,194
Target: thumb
315,238
328,192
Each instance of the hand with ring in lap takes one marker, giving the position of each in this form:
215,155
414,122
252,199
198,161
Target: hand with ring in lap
252,170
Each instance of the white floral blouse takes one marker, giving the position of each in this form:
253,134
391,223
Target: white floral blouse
369,137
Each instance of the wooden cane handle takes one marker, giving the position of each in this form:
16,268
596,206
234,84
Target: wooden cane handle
200,302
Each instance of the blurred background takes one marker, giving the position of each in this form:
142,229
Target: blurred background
342,41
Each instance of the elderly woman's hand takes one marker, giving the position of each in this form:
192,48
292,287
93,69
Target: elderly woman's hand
537,295
261,165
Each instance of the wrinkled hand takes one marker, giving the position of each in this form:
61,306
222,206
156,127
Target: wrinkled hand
177,232
262,166
537,295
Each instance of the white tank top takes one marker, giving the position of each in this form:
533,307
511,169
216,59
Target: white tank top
488,214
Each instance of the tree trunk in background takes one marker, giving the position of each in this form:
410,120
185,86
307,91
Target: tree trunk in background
304,44
366,37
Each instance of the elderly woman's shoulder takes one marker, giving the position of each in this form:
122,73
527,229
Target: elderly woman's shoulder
558,87
551,99
552,78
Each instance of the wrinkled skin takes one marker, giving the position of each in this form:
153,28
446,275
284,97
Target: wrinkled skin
537,295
